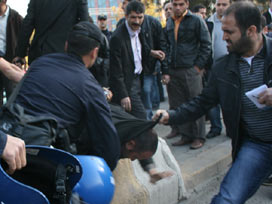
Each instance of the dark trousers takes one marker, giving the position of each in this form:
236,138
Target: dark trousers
5,85
184,85
137,107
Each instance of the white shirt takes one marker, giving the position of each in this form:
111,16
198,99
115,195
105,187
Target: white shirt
136,49
3,32
270,12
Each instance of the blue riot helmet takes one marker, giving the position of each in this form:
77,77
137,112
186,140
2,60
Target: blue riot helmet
96,185
49,176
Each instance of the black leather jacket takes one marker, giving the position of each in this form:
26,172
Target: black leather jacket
224,88
193,46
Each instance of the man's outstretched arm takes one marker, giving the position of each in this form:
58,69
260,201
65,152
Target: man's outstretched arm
11,71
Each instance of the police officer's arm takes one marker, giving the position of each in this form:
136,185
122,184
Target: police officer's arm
12,151
11,71
103,135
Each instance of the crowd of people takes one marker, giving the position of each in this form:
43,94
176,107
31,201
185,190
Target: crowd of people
102,87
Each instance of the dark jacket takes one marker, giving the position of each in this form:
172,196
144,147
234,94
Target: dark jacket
193,46
13,27
122,62
224,88
267,17
154,36
52,20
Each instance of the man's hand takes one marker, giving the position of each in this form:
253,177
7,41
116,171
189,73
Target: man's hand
200,71
165,79
108,94
18,61
266,97
11,71
156,176
157,54
14,154
126,104
165,116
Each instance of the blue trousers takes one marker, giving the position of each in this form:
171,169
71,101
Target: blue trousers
251,167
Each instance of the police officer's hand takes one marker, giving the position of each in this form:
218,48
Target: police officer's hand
14,154
126,104
165,116
266,97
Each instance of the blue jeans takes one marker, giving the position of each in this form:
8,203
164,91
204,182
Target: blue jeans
214,117
251,167
149,80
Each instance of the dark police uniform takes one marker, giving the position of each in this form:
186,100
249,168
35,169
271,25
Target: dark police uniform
59,85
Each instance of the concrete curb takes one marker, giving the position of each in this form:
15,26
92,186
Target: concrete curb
133,186
206,165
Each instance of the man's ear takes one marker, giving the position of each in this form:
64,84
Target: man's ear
94,53
130,145
251,30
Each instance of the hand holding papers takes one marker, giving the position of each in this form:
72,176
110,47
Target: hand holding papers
253,95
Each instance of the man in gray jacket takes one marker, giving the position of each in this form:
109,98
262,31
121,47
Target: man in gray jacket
189,49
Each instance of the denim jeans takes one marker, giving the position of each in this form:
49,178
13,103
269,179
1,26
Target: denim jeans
214,117
251,167
149,80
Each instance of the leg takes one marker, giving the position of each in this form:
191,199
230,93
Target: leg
251,167
147,94
216,125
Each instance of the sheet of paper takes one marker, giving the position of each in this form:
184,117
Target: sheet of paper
254,93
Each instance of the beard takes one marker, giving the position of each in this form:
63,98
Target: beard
241,46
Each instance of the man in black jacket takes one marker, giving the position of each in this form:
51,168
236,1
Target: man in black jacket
268,14
52,20
247,66
152,32
189,49
10,25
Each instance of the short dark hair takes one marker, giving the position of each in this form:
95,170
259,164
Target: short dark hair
166,2
184,0
83,38
147,141
246,14
135,6
197,7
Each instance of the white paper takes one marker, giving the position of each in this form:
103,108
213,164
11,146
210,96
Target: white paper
254,93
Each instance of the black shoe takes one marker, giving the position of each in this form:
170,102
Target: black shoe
268,181
212,134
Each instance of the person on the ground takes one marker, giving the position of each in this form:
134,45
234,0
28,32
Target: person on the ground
52,21
189,49
10,24
246,67
219,49
137,139
12,151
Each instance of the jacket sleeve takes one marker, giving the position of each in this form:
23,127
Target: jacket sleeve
26,31
104,139
116,81
198,106
82,10
204,50
3,141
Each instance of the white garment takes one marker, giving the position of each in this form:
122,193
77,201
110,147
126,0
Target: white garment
136,48
3,31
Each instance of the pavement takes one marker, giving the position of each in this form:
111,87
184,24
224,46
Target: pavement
199,166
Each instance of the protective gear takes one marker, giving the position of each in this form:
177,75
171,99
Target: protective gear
50,176
97,183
